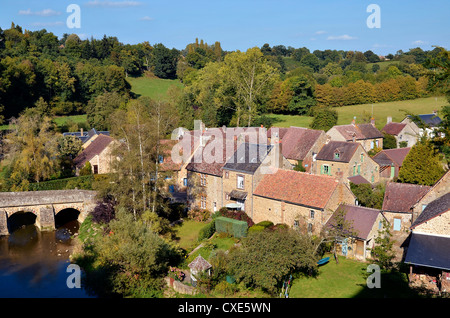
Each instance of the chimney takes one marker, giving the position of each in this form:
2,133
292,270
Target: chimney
389,120
81,130
372,121
354,121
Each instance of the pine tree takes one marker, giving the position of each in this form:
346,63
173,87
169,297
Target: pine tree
421,165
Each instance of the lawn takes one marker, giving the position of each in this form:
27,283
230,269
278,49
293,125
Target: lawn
380,111
155,88
187,233
348,280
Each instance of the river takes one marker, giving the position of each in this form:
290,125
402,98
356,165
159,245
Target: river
33,264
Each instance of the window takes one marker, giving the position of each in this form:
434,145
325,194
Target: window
362,157
226,175
95,169
240,182
185,182
160,159
296,224
336,155
423,207
309,228
326,169
311,214
380,224
203,202
203,180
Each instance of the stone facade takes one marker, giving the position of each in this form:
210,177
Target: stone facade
204,191
360,164
439,225
441,187
309,218
45,205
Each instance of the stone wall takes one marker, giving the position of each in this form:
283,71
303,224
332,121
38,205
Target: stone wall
439,225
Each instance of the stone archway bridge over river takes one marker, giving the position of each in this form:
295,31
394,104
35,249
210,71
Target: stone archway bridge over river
45,205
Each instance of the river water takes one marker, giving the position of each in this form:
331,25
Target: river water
33,264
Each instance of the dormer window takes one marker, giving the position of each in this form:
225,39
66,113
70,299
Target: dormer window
337,155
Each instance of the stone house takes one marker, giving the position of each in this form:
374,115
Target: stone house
86,137
402,132
204,170
344,159
298,199
244,170
390,161
425,123
98,154
365,224
440,188
398,202
365,134
300,144
429,247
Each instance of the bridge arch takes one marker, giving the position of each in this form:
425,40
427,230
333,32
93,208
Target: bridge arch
66,215
20,218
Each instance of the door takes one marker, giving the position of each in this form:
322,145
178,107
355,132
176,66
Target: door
397,224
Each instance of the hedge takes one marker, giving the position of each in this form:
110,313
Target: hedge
233,227
82,182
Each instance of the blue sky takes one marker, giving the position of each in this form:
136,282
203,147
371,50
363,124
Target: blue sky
239,25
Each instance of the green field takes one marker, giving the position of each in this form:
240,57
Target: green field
380,111
155,88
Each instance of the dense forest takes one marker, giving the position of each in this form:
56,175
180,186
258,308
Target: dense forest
66,76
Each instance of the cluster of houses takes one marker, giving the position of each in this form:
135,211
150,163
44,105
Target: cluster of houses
300,177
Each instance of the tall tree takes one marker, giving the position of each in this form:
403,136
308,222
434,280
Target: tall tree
252,79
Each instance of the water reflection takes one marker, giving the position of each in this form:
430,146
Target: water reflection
33,263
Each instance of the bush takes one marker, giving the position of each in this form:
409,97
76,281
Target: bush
256,228
207,231
199,215
265,224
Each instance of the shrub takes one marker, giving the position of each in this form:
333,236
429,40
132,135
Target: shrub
199,215
256,228
207,231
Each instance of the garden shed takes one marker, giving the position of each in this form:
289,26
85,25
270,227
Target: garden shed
198,265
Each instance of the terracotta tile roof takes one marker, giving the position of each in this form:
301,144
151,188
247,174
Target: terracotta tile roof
345,149
391,156
362,219
358,179
393,128
281,132
359,131
400,197
199,264
297,188
297,141
433,209
95,148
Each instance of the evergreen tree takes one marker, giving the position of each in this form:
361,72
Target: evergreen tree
421,165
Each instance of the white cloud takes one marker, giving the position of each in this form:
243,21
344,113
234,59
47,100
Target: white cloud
344,37
43,13
320,32
146,18
113,4
419,42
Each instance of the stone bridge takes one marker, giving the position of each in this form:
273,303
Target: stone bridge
45,205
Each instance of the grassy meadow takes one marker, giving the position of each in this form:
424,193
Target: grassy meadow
155,88
380,111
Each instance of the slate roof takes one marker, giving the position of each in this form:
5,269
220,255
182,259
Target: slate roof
359,131
205,160
400,197
346,151
393,128
429,250
431,120
297,141
387,157
248,157
297,188
86,135
433,209
95,148
361,219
